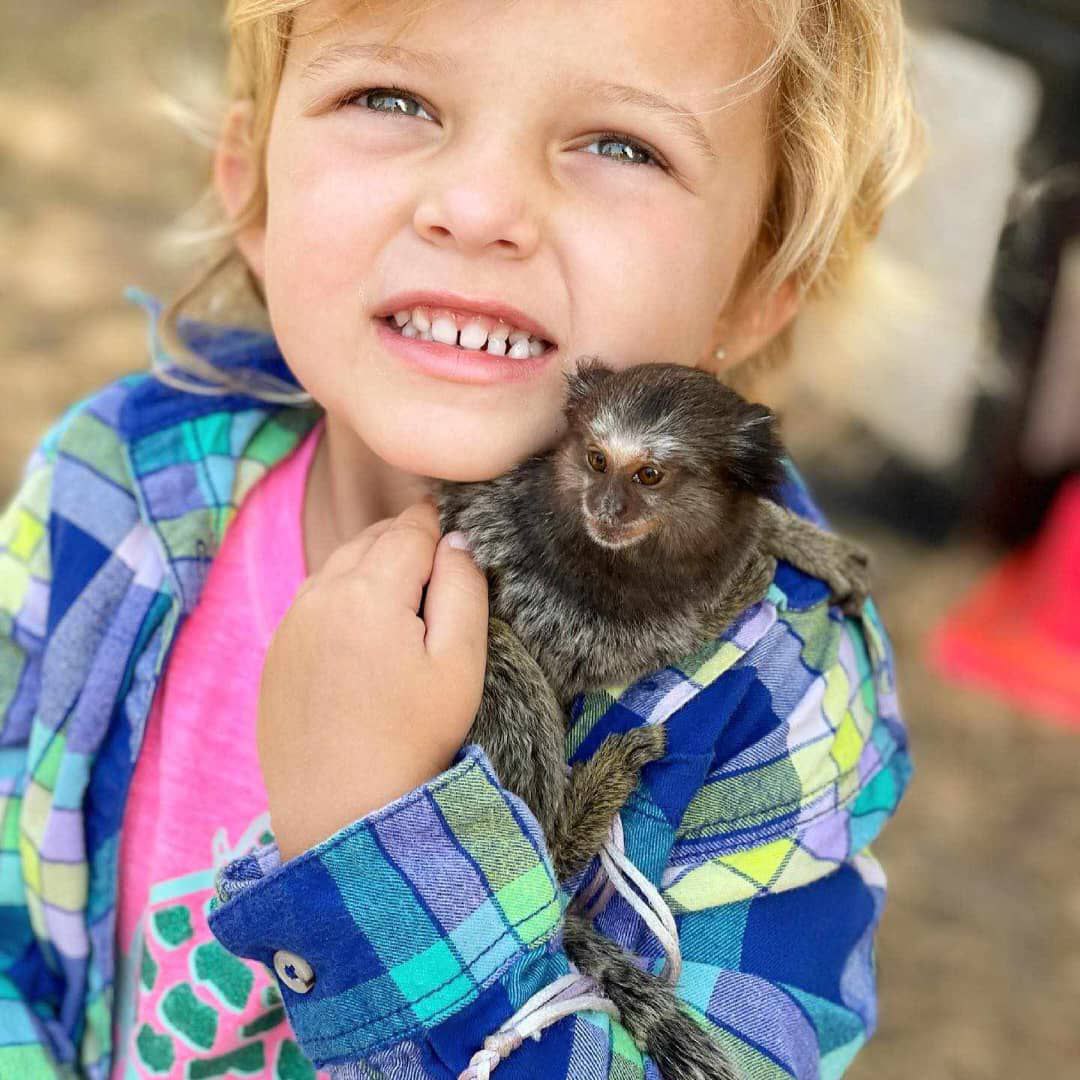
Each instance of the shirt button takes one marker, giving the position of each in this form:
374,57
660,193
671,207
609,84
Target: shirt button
294,971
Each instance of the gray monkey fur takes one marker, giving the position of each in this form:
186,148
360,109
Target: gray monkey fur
575,606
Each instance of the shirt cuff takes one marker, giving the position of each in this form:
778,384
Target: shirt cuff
403,919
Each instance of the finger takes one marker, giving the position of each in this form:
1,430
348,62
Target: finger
345,559
456,608
398,565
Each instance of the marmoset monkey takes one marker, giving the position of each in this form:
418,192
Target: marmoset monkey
640,537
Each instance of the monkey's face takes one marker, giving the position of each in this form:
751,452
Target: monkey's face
633,491
662,459
618,504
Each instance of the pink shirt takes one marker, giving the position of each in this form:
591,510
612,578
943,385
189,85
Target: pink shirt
197,800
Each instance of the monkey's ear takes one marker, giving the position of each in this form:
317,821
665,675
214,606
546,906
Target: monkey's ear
581,382
754,452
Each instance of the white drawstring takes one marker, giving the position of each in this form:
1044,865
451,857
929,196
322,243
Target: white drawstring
651,906
575,991
619,875
564,996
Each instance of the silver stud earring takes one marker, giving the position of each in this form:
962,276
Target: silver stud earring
720,353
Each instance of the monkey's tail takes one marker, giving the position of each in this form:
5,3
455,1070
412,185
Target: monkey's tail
648,1007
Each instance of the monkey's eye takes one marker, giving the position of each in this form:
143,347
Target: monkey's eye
597,461
648,475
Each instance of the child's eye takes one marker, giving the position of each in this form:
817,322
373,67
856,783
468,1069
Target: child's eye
401,100
610,138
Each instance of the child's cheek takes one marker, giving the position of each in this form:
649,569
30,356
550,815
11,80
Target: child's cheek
329,222
645,285
329,215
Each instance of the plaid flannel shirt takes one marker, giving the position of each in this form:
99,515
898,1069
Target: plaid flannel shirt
432,920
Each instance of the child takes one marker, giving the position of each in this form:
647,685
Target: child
209,580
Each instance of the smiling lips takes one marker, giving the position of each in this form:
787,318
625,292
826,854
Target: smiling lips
480,333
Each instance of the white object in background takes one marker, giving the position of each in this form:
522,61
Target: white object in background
910,363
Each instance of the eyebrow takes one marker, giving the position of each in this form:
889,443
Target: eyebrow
614,93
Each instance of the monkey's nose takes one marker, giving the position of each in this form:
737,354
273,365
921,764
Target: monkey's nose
611,508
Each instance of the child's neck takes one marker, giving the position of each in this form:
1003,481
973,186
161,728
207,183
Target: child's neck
349,488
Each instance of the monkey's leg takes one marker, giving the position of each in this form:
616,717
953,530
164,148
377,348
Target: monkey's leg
521,726
843,564
648,1007
595,791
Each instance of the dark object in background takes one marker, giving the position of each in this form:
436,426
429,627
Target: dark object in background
994,485
1011,496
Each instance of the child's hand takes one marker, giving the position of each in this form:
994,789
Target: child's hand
361,700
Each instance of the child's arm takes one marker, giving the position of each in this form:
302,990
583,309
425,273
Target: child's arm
429,922
36,1028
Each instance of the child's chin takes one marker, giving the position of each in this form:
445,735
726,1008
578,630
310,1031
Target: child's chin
461,456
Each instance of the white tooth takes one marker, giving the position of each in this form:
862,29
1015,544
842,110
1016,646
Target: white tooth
500,333
496,346
401,317
536,347
444,329
409,331
474,335
425,335
520,350
419,316
519,335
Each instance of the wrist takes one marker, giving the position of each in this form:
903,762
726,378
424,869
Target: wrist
305,817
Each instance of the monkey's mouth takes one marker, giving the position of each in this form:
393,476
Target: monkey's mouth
620,534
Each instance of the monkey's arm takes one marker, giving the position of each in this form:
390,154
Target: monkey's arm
749,584
520,724
842,564
595,793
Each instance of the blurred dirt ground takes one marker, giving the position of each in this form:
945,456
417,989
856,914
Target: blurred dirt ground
980,947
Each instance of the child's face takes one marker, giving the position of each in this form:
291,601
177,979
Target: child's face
501,181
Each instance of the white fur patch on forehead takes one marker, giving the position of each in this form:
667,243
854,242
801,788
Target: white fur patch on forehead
628,445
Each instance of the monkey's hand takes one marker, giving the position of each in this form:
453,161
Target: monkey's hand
842,564
521,726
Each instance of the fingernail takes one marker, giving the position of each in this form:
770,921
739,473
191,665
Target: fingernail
458,540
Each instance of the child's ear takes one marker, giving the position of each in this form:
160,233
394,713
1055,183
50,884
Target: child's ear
752,321
236,177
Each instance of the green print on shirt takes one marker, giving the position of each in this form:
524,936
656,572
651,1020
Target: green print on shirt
185,1015
172,926
196,1010
156,1051
228,979
148,970
245,1061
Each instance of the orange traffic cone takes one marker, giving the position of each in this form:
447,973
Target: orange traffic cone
1018,633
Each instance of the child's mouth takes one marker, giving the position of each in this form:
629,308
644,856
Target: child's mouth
484,337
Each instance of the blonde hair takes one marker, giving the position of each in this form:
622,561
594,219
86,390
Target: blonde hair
844,132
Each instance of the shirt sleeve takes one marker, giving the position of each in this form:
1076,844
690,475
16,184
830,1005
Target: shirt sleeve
776,893
418,929
35,1039
428,923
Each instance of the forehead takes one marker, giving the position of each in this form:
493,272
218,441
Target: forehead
693,50
630,436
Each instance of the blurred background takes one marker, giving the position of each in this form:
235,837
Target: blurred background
956,396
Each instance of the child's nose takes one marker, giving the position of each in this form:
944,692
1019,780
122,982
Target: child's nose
481,205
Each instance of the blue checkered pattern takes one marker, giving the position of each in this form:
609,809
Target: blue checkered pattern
432,920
